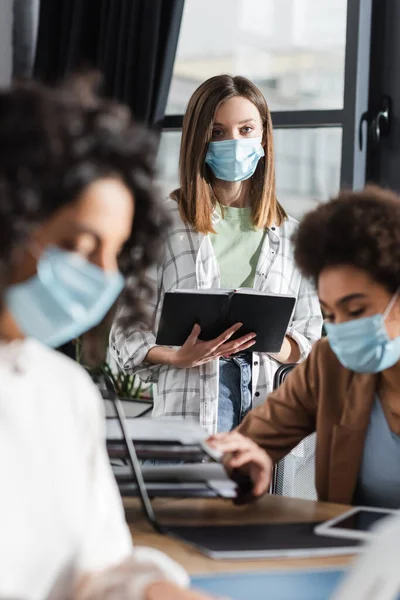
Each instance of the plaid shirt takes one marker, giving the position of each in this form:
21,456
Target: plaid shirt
189,262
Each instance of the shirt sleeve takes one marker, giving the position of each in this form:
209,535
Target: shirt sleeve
130,347
106,539
288,415
306,325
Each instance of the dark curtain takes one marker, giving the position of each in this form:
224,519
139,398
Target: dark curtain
131,42
24,34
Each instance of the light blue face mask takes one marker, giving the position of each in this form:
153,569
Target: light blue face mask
234,160
68,296
363,345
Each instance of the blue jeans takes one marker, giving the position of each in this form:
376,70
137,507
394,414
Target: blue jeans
235,397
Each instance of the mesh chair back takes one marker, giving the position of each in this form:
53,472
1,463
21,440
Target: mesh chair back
295,474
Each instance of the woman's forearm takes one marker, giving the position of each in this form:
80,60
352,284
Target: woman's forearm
161,355
289,353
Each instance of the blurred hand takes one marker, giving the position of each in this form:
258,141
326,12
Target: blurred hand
195,352
118,584
243,457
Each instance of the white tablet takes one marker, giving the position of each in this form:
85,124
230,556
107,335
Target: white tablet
355,524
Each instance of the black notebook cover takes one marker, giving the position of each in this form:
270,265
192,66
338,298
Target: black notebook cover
215,310
243,541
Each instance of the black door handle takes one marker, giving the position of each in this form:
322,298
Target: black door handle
378,123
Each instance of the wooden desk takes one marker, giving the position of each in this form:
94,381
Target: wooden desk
269,509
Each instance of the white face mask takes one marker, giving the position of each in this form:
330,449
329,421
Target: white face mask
234,160
363,345
68,296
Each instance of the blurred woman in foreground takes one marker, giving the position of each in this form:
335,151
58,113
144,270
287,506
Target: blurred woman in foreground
77,213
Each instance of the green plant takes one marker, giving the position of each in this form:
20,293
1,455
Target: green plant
126,385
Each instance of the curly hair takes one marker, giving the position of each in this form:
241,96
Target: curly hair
54,143
361,229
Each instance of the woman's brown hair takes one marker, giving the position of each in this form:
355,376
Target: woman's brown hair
195,196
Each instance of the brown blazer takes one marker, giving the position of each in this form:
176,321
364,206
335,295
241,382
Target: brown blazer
319,395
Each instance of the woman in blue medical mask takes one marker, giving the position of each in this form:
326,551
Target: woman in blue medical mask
228,230
78,211
348,390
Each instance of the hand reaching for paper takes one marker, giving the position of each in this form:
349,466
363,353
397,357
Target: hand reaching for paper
243,458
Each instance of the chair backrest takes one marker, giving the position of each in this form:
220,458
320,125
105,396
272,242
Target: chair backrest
294,475
281,374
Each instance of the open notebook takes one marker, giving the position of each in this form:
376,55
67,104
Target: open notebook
215,310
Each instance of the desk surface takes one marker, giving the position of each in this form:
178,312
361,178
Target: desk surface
273,509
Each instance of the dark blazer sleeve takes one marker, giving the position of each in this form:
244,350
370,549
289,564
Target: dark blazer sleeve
288,414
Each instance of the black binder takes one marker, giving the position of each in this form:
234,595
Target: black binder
215,310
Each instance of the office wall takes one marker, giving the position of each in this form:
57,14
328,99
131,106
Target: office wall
6,21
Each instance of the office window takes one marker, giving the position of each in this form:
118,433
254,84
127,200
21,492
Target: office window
311,61
168,159
307,163
307,166
293,50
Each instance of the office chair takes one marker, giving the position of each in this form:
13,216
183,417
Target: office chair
294,475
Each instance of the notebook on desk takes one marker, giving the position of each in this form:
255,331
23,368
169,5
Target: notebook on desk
262,540
215,310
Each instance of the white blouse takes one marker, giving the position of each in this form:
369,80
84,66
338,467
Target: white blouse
190,262
60,511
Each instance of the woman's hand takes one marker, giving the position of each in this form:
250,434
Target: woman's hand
243,457
119,583
195,352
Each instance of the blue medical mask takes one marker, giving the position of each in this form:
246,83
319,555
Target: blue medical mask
68,296
234,160
363,345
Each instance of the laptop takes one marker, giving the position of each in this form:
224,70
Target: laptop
242,541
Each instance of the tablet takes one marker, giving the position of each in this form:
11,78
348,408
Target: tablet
355,524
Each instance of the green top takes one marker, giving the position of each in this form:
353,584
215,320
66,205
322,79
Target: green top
237,245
